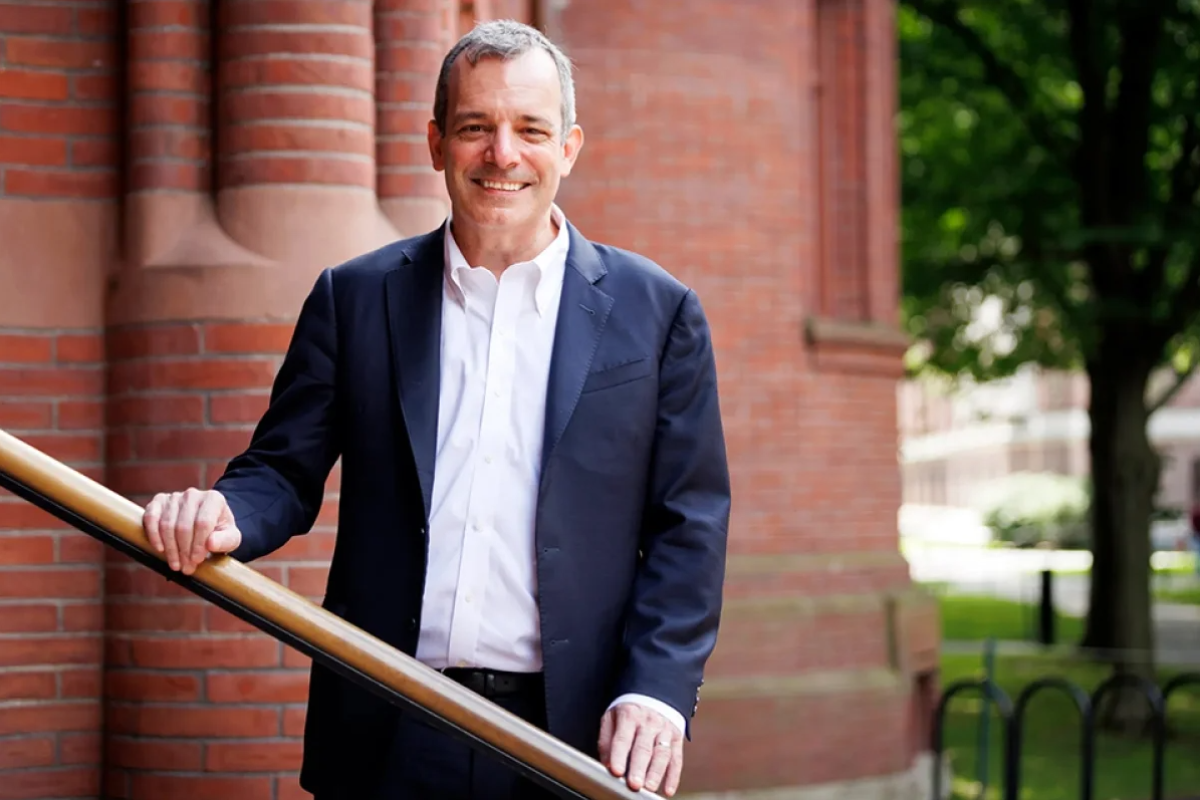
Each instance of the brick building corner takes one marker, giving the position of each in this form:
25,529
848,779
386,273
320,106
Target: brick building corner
174,173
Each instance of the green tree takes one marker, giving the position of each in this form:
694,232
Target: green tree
1050,168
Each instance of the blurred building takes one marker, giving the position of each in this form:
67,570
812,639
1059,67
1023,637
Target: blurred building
174,174
956,441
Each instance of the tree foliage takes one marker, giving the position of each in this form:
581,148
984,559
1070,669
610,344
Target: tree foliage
1050,175
1029,144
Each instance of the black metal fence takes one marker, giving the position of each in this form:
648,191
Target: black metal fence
1012,717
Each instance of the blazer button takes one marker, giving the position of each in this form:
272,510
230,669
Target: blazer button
412,624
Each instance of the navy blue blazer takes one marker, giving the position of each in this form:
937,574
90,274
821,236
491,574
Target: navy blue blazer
633,504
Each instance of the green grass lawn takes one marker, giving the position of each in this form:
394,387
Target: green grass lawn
967,619
1184,594
1050,762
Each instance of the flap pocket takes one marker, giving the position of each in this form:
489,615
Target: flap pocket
622,373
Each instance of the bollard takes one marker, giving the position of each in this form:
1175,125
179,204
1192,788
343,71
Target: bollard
1046,609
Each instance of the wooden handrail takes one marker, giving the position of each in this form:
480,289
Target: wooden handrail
275,609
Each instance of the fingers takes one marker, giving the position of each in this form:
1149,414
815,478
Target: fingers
662,755
167,528
642,754
606,735
675,768
151,519
186,533
208,515
642,746
185,526
624,730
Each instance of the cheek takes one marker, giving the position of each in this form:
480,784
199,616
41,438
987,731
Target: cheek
547,166
460,157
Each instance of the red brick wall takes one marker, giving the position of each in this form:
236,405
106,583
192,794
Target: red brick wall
731,145
51,609
58,163
57,117
199,705
198,701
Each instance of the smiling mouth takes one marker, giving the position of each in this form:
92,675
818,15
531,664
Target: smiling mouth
501,186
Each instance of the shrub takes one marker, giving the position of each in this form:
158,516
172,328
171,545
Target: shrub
1029,509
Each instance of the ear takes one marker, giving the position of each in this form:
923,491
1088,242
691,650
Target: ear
436,143
572,144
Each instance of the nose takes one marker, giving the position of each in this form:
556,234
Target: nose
503,151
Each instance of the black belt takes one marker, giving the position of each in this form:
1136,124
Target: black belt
494,683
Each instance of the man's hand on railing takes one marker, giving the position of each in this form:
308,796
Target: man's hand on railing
189,525
643,746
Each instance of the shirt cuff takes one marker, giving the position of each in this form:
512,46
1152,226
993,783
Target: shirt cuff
654,705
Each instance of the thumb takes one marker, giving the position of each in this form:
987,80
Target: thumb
224,539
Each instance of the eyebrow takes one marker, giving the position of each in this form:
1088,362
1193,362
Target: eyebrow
472,116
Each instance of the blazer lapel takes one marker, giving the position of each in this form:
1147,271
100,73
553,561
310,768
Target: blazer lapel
414,310
582,314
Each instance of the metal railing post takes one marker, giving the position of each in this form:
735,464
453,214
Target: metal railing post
991,691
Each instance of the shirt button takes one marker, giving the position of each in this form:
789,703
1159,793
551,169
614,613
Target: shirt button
487,459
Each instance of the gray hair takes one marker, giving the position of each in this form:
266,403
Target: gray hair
503,39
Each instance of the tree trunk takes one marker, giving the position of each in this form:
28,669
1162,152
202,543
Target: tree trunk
1125,472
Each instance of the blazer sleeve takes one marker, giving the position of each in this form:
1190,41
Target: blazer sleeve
676,603
275,488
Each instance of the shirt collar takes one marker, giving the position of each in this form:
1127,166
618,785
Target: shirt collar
550,263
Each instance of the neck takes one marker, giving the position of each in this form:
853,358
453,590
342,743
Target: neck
496,250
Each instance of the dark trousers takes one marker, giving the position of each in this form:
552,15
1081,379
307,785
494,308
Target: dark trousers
427,764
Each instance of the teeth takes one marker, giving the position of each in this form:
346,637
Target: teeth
506,187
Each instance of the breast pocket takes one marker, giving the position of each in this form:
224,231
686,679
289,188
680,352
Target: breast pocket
613,425
619,374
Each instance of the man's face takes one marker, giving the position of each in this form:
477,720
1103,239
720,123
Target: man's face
504,150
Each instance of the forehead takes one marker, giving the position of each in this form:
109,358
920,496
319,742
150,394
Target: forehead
525,84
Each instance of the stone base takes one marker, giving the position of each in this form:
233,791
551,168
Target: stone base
912,784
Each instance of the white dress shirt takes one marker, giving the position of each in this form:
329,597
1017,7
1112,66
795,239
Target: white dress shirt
480,604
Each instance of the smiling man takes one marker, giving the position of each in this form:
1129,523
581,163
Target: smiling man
534,497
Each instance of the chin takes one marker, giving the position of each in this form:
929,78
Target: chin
498,217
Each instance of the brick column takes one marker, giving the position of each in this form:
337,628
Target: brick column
170,95
57,183
200,704
296,94
411,38
296,127
882,154
168,181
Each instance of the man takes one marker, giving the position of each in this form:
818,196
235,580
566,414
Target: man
534,484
